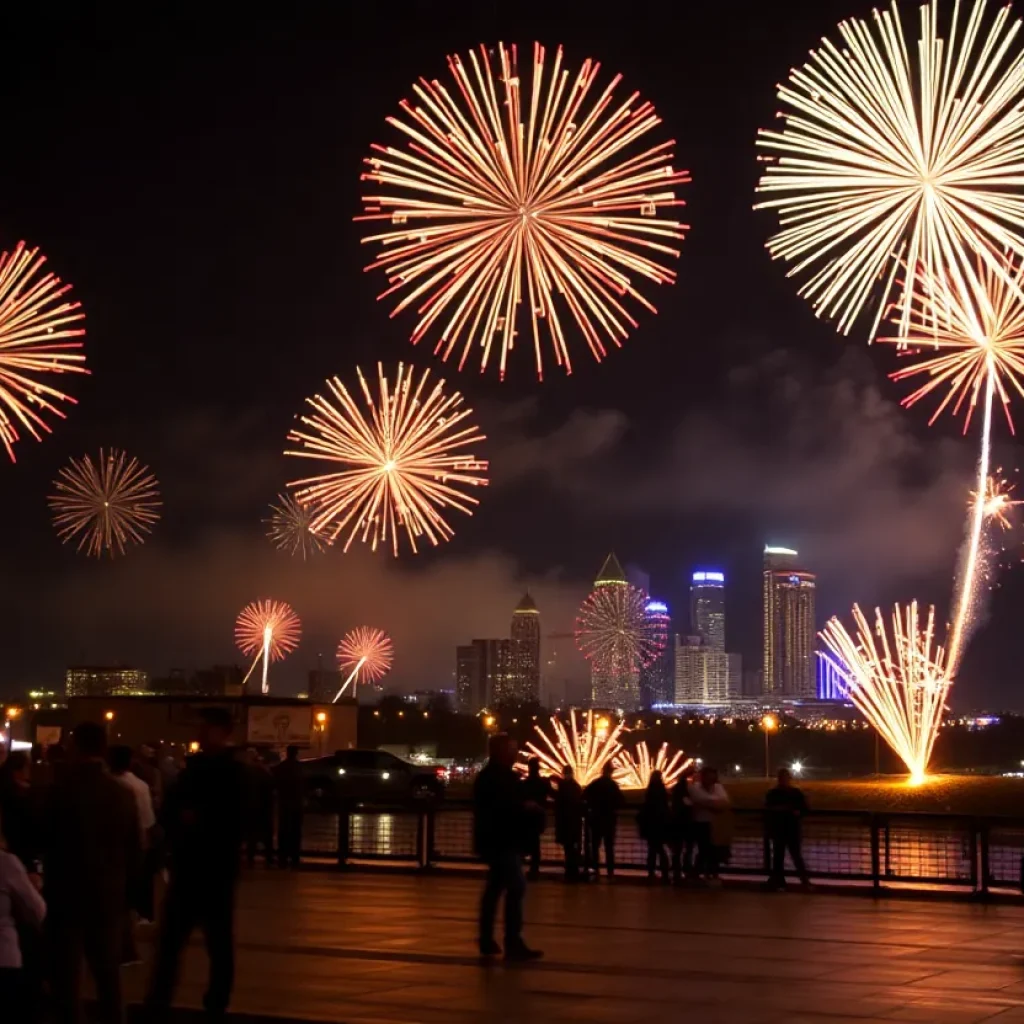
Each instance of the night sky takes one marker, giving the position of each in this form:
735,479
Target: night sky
194,173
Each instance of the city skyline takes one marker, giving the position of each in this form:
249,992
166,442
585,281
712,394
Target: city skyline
790,435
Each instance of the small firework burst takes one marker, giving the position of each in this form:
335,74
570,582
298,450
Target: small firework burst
366,654
269,629
291,528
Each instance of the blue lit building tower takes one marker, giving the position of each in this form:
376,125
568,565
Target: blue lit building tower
707,608
657,681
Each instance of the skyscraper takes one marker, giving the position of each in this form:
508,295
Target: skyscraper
482,674
701,672
657,681
613,685
525,634
707,608
788,595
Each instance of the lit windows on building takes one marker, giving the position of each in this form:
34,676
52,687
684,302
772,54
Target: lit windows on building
789,625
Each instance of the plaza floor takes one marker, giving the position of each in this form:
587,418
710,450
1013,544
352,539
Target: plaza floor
399,949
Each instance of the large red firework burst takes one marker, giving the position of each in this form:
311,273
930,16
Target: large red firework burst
614,631
511,206
35,328
269,629
367,651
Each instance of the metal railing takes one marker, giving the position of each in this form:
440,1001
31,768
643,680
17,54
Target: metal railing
877,849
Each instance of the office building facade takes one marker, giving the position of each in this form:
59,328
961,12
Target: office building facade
483,674
707,608
788,593
105,681
525,652
702,674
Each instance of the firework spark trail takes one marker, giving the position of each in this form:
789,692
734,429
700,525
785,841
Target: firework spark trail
898,683
107,504
885,160
490,213
269,629
403,459
634,771
586,753
34,328
291,529
367,654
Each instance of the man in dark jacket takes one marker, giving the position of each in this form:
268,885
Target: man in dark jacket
569,811
92,861
603,798
536,790
204,812
502,819
785,806
290,792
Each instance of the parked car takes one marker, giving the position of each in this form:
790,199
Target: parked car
368,777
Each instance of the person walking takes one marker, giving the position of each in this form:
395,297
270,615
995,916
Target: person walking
654,819
204,813
22,911
785,807
537,790
502,821
288,778
569,812
92,859
712,821
603,799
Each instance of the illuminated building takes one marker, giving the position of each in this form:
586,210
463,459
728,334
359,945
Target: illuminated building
701,673
614,681
105,681
482,674
789,633
657,681
830,679
525,650
707,608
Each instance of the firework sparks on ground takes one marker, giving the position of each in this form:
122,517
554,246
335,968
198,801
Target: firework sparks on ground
268,629
35,341
105,505
518,206
585,750
898,680
290,527
367,654
893,153
633,771
401,460
614,631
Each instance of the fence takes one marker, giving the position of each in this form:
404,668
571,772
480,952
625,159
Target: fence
877,849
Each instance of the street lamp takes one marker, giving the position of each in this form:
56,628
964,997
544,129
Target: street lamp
769,724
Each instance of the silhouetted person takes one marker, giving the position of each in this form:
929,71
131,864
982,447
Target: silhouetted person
569,812
502,821
682,831
204,813
19,809
710,815
537,790
260,817
290,795
654,820
121,760
785,806
603,798
91,866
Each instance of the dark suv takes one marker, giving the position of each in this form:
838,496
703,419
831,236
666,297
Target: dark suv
367,777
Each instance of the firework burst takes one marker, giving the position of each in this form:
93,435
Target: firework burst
892,153
35,332
403,460
367,654
106,505
268,629
898,682
585,750
498,222
633,771
614,631
998,501
290,527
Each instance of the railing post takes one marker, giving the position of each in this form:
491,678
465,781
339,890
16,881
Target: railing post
422,851
876,859
979,843
343,830
766,848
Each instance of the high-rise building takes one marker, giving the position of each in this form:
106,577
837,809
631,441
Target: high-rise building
657,681
707,608
105,681
702,674
525,639
789,630
483,672
614,685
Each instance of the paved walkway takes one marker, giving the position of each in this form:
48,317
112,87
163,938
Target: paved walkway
396,949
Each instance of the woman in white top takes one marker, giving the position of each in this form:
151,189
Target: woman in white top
20,905
710,806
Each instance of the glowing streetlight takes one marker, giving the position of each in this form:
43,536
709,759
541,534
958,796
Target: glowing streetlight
769,724
797,767
108,715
